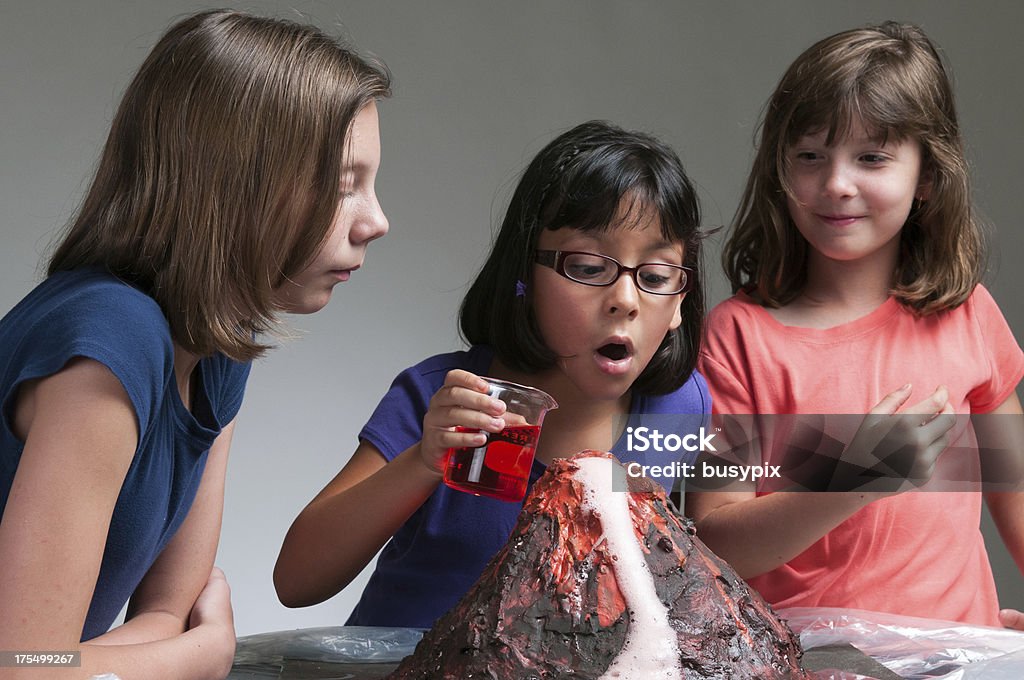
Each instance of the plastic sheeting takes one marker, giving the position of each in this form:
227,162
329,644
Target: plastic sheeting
913,648
337,644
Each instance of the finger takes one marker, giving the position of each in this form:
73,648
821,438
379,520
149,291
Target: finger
458,416
924,466
456,439
936,426
891,402
934,403
1011,618
514,420
460,378
462,397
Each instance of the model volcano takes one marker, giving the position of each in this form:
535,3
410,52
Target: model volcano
595,583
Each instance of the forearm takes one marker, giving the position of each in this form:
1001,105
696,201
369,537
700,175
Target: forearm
764,533
335,537
145,627
198,654
203,653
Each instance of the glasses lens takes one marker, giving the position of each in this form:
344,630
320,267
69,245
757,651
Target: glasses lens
661,278
588,268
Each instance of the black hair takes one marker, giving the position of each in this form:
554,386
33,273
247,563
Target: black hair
579,181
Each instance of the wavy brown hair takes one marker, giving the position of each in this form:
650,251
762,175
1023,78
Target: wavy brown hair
220,176
890,78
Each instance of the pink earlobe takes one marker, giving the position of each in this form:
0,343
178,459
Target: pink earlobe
677,318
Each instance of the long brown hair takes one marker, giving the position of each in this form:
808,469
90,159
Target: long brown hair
220,176
891,78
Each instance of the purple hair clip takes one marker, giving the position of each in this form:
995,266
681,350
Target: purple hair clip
520,289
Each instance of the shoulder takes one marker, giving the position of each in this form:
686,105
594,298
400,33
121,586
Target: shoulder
692,397
432,370
397,422
732,322
84,305
91,314
737,312
980,303
979,313
982,338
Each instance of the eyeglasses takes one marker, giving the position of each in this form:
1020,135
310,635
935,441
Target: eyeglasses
592,269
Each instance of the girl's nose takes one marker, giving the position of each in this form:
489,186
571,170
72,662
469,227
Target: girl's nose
623,297
839,181
373,225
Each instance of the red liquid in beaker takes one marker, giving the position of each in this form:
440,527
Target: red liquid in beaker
499,469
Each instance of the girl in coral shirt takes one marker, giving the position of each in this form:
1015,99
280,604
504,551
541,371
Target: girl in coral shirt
856,263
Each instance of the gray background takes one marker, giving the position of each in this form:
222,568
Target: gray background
479,88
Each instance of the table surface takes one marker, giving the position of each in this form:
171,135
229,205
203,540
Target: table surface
291,669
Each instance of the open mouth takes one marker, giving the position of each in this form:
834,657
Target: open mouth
614,350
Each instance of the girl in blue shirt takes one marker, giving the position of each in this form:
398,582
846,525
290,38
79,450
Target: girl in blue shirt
591,294
237,183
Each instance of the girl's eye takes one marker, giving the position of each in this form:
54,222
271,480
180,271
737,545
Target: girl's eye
350,183
658,277
873,158
586,272
806,156
654,281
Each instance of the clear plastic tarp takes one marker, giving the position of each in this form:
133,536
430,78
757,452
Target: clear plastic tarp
911,648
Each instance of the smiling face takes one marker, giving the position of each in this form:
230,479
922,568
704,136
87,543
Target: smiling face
604,336
851,199
357,221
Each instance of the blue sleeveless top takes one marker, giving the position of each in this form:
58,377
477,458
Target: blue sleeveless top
90,313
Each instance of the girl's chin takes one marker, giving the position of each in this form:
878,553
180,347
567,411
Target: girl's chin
307,304
599,386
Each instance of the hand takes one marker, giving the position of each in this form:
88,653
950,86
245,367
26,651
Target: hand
893,448
212,612
462,402
1011,618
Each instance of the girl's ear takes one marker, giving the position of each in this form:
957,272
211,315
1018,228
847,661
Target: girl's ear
924,185
677,318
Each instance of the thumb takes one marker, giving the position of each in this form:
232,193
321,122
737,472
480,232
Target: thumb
1011,618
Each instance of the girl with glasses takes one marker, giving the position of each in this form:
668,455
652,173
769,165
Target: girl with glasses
237,183
856,261
591,294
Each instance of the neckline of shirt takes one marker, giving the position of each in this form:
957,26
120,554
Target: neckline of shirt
871,321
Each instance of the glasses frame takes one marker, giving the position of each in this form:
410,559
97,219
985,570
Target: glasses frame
555,259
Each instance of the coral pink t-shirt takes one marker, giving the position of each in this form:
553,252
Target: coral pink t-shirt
918,553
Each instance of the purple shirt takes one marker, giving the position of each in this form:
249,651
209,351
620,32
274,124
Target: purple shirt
442,549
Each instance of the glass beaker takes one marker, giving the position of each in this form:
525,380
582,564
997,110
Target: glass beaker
501,467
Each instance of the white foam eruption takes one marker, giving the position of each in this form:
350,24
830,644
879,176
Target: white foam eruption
651,650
